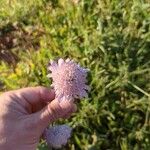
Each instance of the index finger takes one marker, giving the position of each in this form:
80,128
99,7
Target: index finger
36,95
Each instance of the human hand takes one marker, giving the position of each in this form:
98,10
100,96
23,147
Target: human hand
25,113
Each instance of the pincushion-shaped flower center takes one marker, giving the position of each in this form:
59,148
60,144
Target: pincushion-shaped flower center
57,136
68,79
67,76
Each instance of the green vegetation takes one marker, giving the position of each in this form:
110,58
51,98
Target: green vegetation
111,38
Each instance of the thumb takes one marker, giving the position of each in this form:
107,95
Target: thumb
52,112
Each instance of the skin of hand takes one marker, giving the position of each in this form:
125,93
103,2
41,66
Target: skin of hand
25,113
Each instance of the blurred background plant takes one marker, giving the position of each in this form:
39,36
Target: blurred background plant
111,38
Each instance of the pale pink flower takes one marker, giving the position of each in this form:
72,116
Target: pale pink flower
69,83
69,79
57,136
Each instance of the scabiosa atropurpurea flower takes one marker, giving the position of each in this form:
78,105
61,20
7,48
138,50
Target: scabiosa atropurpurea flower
69,83
57,136
69,79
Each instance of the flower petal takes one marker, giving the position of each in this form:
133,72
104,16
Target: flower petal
60,61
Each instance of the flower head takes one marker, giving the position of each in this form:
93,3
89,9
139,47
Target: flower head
69,79
57,136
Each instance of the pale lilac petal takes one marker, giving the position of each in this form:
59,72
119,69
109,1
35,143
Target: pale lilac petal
87,88
67,60
86,70
60,61
53,63
83,94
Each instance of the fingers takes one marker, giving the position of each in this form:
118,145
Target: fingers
36,95
74,109
52,112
